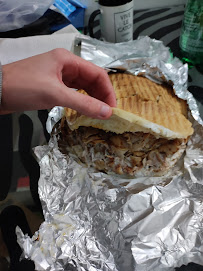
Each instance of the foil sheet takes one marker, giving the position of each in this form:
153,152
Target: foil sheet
100,222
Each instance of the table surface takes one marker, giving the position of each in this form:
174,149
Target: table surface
159,23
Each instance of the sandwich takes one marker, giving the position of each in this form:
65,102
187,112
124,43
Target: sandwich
145,136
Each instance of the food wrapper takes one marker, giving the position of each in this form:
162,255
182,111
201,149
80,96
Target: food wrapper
100,222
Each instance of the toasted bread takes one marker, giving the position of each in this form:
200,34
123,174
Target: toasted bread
127,85
142,106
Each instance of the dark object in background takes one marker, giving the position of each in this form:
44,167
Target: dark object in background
112,3
4,265
6,157
47,24
27,157
10,218
190,267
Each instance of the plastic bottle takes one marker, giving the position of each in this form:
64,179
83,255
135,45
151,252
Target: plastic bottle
191,38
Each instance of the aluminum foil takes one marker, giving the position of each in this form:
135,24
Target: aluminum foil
95,221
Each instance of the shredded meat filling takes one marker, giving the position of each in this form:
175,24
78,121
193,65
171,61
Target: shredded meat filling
123,154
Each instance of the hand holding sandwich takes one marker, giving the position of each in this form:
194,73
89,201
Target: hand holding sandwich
47,80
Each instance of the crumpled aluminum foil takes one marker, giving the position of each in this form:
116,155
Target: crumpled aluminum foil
98,222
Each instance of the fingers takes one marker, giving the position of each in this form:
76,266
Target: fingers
85,104
93,79
38,83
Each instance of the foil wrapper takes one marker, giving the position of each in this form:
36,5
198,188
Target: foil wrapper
100,222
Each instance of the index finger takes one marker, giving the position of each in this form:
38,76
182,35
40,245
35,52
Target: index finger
81,74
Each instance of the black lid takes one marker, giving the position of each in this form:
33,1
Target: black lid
112,3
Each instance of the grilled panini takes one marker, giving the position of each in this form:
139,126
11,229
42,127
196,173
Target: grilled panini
145,136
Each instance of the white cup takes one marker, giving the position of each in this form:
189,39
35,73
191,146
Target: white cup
116,21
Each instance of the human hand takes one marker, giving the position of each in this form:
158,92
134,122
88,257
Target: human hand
47,80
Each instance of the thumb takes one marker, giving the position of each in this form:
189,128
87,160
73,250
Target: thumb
85,104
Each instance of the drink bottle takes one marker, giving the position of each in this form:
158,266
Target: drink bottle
116,20
191,37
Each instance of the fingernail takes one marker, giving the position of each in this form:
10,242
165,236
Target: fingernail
104,111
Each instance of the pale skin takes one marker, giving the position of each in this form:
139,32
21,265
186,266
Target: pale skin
49,79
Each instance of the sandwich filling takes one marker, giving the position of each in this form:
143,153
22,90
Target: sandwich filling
130,154
145,135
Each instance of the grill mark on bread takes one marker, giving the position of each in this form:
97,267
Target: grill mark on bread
126,85
155,113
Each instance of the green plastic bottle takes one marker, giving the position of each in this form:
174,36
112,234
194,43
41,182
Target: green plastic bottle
191,38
